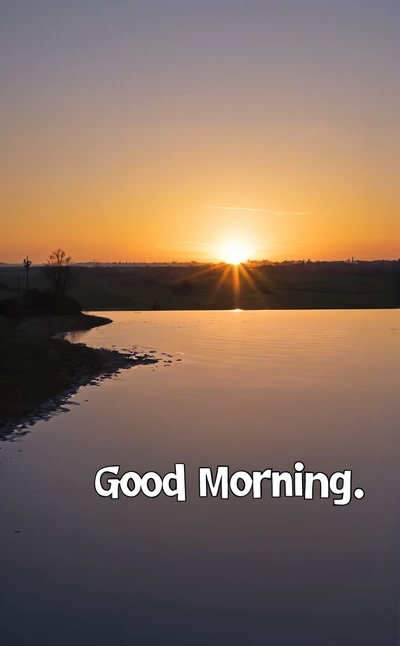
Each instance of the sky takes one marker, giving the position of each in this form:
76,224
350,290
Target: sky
182,129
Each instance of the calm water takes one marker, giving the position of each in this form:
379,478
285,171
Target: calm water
252,390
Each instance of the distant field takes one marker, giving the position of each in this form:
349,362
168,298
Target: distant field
222,287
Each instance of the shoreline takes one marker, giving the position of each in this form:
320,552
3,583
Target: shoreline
62,324
42,371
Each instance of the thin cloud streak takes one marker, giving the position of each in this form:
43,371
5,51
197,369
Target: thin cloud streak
245,208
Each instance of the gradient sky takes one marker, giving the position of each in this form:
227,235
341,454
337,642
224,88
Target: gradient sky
124,122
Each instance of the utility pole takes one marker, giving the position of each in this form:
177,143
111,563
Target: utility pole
27,264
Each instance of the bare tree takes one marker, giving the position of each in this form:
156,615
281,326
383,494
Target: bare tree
59,271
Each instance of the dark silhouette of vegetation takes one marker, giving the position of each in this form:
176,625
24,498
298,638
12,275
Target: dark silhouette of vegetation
50,302
59,272
37,302
11,308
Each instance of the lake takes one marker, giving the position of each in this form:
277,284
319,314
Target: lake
248,389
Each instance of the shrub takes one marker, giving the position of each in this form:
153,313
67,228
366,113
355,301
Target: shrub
50,302
35,300
11,308
63,304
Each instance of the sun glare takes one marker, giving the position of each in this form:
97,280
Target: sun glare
234,254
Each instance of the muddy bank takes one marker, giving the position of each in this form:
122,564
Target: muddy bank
61,324
40,374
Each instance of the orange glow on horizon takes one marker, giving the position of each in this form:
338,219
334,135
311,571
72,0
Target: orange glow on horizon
138,152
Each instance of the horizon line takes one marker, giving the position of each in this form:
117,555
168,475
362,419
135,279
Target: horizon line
351,260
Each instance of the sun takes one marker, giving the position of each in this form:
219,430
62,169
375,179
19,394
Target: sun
234,254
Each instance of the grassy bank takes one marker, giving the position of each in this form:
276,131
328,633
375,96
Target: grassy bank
35,367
